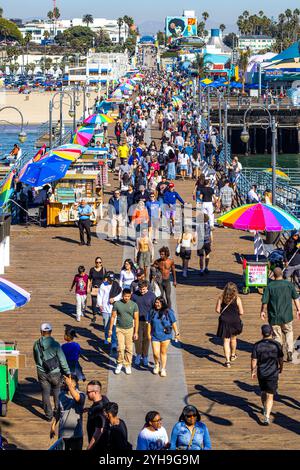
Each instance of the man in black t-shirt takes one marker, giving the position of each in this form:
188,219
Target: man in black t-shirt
267,364
96,420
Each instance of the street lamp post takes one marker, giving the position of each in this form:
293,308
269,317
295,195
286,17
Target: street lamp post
225,130
269,123
22,134
72,113
208,108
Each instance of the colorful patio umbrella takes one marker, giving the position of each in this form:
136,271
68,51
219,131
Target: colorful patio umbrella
38,156
98,119
279,173
53,167
177,101
83,135
6,189
259,217
12,296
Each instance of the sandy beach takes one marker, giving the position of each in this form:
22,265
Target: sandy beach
35,106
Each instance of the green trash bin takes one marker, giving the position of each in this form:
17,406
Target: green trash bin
8,379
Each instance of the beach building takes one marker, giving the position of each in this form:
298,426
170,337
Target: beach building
100,68
255,43
38,28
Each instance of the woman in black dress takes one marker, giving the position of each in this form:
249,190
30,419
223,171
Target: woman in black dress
229,307
96,277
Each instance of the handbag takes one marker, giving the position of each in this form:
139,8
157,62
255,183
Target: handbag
178,248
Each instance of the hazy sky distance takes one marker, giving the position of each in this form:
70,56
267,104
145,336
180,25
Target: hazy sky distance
152,10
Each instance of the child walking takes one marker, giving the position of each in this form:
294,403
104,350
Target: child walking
72,352
80,282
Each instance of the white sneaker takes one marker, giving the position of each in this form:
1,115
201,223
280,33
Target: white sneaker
128,370
145,361
78,319
156,369
137,360
118,369
163,373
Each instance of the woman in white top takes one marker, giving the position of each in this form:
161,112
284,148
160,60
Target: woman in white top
128,274
186,240
183,160
153,436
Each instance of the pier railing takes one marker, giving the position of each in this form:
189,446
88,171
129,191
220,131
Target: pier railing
293,174
287,196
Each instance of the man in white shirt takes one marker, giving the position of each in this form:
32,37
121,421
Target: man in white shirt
143,123
253,197
109,292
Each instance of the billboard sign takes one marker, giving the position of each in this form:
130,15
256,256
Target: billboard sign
180,26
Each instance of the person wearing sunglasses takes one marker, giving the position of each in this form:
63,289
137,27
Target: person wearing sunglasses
153,436
96,277
189,433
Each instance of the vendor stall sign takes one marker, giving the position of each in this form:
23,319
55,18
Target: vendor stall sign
256,275
273,74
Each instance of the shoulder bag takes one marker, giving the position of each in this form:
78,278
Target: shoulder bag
190,441
50,364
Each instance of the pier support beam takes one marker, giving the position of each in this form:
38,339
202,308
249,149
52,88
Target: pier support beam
230,135
266,141
280,140
254,141
298,133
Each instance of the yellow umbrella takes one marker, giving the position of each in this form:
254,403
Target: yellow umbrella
279,173
206,81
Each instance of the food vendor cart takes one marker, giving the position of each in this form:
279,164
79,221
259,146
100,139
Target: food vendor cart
10,361
84,180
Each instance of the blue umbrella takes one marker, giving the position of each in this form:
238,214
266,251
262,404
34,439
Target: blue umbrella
49,169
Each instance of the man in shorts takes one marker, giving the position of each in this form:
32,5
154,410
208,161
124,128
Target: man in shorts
205,239
170,198
144,251
267,364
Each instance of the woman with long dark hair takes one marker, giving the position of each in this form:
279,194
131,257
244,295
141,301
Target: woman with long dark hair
189,433
230,308
153,436
128,274
161,322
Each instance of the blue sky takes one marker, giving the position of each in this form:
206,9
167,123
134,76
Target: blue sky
152,10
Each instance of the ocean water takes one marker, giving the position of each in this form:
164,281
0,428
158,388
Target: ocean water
9,137
264,161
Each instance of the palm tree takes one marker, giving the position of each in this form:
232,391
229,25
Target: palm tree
88,19
205,16
246,14
128,20
261,13
120,22
1,12
222,27
243,64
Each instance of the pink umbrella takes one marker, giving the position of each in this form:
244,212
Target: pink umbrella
83,135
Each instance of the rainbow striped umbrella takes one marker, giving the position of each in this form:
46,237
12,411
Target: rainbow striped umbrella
68,152
84,135
12,296
98,119
259,217
6,189
177,101
38,156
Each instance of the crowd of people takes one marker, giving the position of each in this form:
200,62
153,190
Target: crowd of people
136,303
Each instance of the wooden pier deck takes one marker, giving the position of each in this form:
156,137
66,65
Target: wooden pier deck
44,261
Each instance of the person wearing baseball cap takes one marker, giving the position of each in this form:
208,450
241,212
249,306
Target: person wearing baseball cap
267,364
140,276
50,361
170,198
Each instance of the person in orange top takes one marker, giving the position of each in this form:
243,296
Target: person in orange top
140,216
